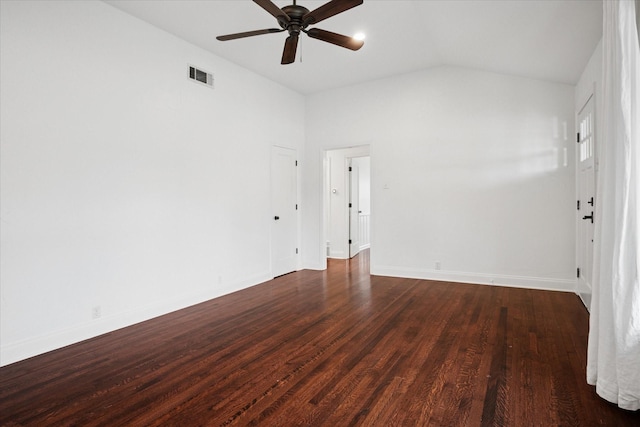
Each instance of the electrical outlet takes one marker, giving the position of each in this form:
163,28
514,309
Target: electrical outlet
96,312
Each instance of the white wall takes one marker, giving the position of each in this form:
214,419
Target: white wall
591,81
469,169
125,186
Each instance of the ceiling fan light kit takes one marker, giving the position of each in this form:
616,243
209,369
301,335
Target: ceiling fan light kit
295,19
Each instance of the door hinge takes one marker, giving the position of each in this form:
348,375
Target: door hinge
296,251
296,206
350,169
296,163
578,273
578,204
349,241
578,137
350,205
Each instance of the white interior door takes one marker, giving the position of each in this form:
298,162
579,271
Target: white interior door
354,210
586,198
284,220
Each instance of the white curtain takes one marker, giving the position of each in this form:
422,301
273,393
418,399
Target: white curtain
613,363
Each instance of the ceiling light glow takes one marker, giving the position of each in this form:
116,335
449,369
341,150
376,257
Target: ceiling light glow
359,36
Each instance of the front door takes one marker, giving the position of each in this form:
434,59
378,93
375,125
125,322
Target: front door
284,211
586,198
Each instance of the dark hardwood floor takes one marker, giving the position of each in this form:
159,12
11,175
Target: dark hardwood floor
335,348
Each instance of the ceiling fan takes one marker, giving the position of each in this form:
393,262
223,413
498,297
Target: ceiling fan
296,19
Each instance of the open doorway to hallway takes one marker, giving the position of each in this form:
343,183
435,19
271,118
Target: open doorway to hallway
347,202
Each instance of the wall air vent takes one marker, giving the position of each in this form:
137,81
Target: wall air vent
200,76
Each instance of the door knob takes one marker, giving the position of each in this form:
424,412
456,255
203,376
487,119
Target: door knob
276,217
589,217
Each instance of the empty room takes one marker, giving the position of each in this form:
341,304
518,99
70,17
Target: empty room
319,212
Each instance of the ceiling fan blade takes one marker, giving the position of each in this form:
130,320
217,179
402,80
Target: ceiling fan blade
334,38
248,34
290,47
328,10
273,10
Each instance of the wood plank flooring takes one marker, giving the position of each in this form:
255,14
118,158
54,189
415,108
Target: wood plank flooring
334,348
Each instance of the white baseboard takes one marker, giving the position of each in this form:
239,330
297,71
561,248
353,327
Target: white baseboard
542,283
584,292
585,297
338,255
24,349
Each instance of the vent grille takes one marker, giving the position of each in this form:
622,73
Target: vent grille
200,76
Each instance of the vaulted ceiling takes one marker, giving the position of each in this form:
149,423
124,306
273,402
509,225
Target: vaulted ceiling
542,39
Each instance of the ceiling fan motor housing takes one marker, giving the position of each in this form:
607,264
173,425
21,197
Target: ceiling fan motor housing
295,23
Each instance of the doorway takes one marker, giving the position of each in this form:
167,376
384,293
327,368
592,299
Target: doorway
347,202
